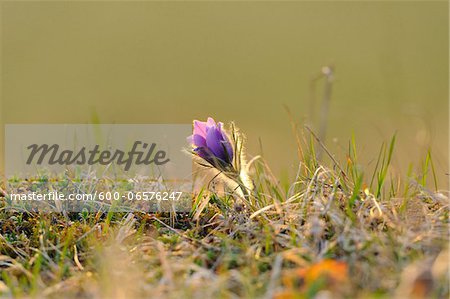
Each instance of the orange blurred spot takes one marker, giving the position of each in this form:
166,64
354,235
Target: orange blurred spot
332,270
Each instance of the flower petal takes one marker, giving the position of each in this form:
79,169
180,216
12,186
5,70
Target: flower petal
200,128
214,143
198,140
201,152
228,146
206,154
211,122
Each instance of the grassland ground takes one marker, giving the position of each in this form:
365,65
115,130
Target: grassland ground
331,232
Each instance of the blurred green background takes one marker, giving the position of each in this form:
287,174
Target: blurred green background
171,62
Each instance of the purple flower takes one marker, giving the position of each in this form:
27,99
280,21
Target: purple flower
211,143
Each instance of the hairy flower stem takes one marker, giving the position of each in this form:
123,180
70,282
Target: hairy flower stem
246,192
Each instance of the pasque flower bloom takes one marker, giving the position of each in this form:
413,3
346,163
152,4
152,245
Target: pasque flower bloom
211,143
